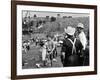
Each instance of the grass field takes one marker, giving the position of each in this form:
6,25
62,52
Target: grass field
34,56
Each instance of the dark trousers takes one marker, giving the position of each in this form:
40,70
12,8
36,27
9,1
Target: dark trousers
71,60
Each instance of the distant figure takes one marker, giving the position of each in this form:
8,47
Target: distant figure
58,16
71,48
50,49
47,19
35,16
26,46
44,53
36,41
55,43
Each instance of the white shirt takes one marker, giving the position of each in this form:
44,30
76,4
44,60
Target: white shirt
83,39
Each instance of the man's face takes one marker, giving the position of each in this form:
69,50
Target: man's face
79,29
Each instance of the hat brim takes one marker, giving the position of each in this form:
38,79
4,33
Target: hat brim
80,27
71,32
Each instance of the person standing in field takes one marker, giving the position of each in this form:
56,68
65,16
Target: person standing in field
55,48
44,53
50,46
82,37
71,48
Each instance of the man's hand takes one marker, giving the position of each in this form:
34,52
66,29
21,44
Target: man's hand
82,53
63,54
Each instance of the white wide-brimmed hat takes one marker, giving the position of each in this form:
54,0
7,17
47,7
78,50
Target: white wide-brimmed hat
70,30
80,25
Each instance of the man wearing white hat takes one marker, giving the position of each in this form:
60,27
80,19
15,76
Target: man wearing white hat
81,35
71,48
82,38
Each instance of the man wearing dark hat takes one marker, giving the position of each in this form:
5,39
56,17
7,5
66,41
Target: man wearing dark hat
71,48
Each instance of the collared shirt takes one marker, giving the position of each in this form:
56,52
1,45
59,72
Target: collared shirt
82,38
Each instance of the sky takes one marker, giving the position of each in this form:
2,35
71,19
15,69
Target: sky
44,13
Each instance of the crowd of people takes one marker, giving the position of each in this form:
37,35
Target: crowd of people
73,47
